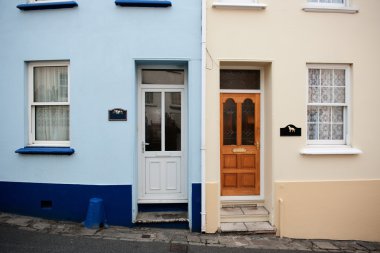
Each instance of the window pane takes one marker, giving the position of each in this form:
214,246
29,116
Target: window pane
339,77
163,76
337,132
324,131
314,79
240,79
339,95
312,131
153,121
314,95
52,123
172,121
325,114
326,77
337,114
248,123
50,84
229,122
326,94
312,114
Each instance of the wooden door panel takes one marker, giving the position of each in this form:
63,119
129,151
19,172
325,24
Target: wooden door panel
239,144
247,161
230,161
229,180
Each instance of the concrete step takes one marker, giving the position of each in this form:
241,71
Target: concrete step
244,214
161,217
248,227
240,203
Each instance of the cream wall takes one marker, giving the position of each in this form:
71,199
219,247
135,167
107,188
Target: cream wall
288,38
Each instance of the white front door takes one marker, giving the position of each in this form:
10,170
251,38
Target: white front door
162,171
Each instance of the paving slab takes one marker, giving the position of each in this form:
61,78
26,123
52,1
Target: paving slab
226,211
260,210
259,227
20,221
325,245
233,227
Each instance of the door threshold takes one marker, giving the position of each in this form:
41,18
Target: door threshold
242,198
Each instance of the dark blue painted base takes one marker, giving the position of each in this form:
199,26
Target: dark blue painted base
163,207
45,151
196,209
143,3
66,201
174,225
45,6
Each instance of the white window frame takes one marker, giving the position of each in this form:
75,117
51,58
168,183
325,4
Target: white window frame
319,3
346,107
32,104
239,4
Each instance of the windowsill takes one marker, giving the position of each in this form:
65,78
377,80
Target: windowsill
45,151
334,150
255,6
46,6
330,9
143,3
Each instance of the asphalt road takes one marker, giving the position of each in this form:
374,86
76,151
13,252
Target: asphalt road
14,240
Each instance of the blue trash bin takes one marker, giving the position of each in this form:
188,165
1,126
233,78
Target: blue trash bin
96,216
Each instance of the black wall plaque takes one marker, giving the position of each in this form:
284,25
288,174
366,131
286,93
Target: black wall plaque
290,130
117,114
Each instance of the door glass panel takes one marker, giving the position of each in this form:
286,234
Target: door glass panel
163,76
173,121
153,121
248,123
229,122
240,79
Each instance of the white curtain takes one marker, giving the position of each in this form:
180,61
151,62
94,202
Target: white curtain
52,121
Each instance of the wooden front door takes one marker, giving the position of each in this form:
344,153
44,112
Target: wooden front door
240,144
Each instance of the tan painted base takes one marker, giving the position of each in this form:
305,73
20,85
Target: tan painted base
341,210
212,207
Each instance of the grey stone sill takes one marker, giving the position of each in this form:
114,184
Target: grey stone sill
345,150
327,9
255,6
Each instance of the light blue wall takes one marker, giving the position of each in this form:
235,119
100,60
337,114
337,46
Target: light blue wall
102,42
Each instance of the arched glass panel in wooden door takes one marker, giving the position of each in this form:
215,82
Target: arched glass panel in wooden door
248,123
229,122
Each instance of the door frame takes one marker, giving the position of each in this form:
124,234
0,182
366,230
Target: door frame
262,131
184,131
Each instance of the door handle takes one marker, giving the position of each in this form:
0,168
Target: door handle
257,145
143,144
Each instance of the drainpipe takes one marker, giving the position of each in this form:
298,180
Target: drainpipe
203,118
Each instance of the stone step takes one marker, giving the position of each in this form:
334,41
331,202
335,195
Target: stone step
161,217
259,227
241,203
244,214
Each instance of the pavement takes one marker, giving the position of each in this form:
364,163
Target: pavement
180,238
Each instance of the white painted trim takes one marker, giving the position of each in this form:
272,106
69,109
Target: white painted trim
330,8
31,104
203,119
345,150
253,6
262,130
